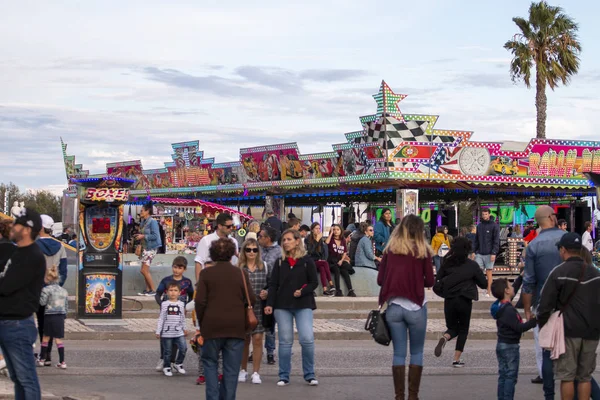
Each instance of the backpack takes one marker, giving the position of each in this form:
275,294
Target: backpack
443,250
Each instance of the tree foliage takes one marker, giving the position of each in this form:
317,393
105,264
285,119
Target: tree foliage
547,41
41,201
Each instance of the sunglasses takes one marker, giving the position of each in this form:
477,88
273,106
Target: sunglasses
251,250
228,226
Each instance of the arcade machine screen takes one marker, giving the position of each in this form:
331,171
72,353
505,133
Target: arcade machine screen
101,226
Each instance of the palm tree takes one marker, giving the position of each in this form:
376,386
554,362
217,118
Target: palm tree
547,40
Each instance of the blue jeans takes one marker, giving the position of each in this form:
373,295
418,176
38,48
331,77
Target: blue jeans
437,261
270,341
306,337
403,325
508,369
16,340
232,350
548,375
167,347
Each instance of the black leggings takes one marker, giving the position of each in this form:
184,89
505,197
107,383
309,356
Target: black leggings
458,318
343,270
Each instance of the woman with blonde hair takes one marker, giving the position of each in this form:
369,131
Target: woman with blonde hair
253,229
405,270
291,296
251,262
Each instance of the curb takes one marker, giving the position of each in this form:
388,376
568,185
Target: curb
355,335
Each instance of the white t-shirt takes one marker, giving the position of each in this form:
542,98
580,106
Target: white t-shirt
587,241
202,253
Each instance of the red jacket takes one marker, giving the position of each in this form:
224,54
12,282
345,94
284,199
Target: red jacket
404,276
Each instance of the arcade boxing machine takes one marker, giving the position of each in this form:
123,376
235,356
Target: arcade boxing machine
100,271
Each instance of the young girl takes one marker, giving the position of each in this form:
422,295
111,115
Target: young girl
339,262
56,301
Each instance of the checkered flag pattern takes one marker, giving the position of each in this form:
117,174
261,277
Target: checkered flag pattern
396,131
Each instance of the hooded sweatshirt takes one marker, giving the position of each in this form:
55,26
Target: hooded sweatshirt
56,255
509,323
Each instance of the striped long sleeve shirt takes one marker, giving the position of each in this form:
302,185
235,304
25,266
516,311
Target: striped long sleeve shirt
171,322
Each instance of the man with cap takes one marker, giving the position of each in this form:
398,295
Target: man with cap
21,282
573,288
541,256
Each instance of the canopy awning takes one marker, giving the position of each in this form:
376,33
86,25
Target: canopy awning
206,205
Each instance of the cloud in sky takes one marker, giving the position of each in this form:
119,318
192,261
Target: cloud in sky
240,75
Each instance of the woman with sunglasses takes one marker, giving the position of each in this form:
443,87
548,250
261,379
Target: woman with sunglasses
365,256
293,281
317,250
252,263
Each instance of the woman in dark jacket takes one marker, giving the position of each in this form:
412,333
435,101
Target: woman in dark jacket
457,282
293,281
317,250
221,312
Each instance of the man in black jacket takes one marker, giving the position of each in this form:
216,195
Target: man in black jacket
487,245
21,284
574,288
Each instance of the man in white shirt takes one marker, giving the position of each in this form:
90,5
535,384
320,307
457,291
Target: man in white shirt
224,227
586,238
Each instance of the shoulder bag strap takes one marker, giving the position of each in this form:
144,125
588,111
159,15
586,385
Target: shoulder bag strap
246,288
563,308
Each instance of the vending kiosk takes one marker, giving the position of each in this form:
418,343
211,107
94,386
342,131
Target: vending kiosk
100,271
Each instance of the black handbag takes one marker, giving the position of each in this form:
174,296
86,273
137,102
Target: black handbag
377,325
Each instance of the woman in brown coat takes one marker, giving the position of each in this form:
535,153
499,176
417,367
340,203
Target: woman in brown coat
221,312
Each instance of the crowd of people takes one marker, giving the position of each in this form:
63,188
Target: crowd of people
244,292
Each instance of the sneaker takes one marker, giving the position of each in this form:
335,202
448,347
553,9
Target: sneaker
144,293
256,378
313,382
243,376
250,359
167,372
160,365
458,364
48,362
537,380
62,365
338,293
271,359
201,380
150,293
179,368
39,363
440,346
351,293
283,383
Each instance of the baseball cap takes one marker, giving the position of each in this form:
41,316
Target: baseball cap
570,240
47,221
30,219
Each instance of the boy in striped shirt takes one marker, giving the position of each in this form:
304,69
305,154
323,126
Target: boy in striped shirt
171,329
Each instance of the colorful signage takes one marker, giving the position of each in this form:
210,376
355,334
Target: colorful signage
106,194
391,146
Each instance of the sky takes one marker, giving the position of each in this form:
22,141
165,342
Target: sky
122,80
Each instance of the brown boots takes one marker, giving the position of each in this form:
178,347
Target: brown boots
399,372
414,381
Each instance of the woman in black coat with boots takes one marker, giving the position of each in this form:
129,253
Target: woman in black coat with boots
457,283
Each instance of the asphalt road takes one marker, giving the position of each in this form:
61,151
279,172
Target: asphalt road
346,370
